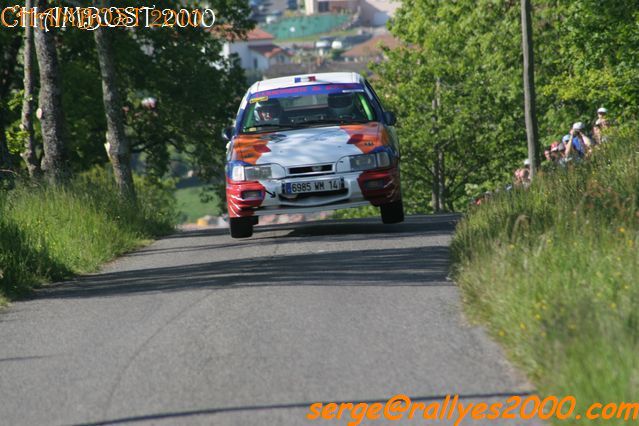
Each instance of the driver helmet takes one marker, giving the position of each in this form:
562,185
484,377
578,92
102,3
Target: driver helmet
341,103
268,110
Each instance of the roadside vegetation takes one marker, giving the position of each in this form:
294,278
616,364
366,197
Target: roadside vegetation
553,271
190,206
53,232
456,87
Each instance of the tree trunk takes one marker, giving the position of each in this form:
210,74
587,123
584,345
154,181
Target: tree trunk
435,187
50,104
7,66
118,146
441,180
529,87
29,154
437,173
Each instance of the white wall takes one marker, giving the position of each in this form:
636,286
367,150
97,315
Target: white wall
377,12
247,56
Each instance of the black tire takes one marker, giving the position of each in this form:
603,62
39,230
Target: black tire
241,227
392,212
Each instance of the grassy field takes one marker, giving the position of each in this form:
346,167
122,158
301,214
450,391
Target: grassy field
553,272
190,206
51,234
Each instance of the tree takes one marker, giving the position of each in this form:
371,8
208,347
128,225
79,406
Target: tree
118,147
50,104
10,42
197,92
29,154
456,88
532,131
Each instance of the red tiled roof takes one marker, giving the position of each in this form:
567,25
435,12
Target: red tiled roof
372,46
259,34
268,50
227,32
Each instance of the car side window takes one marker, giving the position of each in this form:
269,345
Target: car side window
376,99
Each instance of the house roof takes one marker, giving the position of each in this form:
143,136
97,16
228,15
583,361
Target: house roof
372,47
268,50
229,33
259,34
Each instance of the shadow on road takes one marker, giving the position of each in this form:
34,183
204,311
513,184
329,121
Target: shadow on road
326,230
211,411
421,266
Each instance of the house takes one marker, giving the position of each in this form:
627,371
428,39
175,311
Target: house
312,7
257,52
373,13
371,50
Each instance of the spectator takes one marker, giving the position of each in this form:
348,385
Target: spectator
602,118
553,156
580,144
548,153
522,175
559,152
600,126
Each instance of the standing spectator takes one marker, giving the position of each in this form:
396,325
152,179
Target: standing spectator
522,175
548,153
600,126
558,151
602,118
580,144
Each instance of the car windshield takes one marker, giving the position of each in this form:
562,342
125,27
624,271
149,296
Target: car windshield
313,105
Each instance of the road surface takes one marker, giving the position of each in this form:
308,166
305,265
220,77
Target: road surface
201,329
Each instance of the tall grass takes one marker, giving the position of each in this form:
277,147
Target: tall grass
51,233
554,273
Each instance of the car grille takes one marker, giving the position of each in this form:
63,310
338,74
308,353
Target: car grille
315,194
314,170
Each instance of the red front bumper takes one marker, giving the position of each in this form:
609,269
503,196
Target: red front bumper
380,186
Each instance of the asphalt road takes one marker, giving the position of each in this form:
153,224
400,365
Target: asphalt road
202,329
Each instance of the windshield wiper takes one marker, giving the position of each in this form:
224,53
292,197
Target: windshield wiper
265,126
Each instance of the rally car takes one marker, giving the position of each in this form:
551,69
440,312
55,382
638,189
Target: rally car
311,143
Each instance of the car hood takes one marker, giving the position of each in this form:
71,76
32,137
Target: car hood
312,145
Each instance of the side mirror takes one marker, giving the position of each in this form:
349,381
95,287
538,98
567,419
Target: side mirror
390,118
227,133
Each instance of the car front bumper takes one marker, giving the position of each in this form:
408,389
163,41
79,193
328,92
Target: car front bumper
259,198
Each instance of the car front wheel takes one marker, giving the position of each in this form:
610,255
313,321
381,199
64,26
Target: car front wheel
241,227
393,212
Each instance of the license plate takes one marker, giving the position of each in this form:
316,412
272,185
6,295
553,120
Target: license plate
313,186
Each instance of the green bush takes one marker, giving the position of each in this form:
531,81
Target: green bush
554,273
50,233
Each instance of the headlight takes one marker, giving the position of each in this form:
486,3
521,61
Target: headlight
238,173
368,161
261,172
257,172
363,162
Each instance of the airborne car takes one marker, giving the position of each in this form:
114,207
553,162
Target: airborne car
311,143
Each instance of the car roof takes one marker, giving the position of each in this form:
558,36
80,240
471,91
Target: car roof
320,78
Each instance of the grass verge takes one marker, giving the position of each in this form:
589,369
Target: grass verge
49,234
553,271
190,206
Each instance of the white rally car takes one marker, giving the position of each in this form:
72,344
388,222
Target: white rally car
311,143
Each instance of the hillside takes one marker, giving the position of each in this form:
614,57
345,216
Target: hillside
554,273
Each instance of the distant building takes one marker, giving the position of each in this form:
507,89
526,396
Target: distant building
257,52
373,13
371,51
